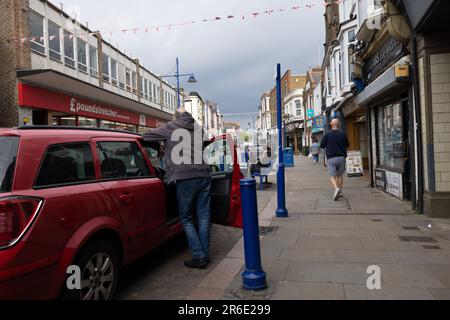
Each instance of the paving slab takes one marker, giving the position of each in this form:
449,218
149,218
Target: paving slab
410,276
307,255
362,256
329,243
443,273
294,290
358,292
420,258
327,272
440,294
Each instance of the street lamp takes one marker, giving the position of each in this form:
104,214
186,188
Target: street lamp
178,76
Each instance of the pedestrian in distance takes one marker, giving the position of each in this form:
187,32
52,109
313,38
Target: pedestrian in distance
192,182
335,142
315,151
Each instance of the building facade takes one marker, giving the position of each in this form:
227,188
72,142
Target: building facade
195,105
387,77
55,71
312,102
292,87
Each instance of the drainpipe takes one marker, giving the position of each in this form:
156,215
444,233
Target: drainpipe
418,123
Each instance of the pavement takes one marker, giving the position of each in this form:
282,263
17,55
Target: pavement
322,251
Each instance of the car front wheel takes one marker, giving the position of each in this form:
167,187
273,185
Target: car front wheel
98,263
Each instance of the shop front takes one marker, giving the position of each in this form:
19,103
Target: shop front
294,131
386,104
318,128
391,132
39,106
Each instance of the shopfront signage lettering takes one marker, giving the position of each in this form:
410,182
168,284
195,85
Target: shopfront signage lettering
77,107
389,52
33,97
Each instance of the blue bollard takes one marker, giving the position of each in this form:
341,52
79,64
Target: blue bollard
254,277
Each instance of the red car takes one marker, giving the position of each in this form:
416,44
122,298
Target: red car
93,200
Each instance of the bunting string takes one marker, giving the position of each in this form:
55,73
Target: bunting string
170,27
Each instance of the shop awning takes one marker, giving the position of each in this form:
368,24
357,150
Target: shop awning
56,81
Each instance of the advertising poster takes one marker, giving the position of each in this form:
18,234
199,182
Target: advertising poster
354,164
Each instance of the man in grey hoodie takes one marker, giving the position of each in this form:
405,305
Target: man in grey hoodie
185,167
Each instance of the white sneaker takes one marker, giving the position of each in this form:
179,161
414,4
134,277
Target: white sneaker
336,195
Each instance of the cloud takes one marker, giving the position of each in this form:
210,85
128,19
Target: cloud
234,60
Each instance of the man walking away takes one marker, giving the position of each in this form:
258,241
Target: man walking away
336,144
192,180
315,151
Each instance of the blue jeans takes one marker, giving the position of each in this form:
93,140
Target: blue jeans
195,194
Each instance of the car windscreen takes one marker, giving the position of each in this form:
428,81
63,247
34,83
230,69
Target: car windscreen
8,154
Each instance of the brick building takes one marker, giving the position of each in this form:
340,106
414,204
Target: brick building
55,71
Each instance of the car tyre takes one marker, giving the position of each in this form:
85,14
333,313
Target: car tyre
99,266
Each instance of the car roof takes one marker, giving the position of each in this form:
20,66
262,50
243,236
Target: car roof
52,131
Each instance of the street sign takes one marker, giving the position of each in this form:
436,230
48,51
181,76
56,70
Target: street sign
310,113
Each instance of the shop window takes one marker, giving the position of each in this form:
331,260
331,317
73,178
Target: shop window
106,67
114,72
37,32
82,57
104,124
69,49
68,121
390,136
121,76
87,122
93,61
121,160
54,41
66,164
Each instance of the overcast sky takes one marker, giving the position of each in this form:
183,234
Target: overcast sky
233,60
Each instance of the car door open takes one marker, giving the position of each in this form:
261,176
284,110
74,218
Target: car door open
226,207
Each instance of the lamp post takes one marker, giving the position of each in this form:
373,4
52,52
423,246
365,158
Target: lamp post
177,75
281,210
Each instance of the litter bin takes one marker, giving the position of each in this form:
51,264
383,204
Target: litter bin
288,157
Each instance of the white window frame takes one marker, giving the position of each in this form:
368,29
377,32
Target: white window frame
82,66
106,76
93,66
68,60
56,37
40,44
121,70
114,71
128,80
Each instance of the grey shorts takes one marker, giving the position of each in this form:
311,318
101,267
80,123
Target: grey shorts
336,166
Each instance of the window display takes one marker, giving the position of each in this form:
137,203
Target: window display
390,136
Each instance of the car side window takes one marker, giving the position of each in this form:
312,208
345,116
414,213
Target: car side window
120,160
154,158
66,164
219,156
